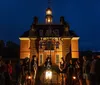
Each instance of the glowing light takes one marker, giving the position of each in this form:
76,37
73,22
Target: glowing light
48,75
28,56
48,20
29,77
74,77
48,12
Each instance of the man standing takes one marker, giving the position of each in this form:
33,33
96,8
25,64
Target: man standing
97,70
92,71
86,70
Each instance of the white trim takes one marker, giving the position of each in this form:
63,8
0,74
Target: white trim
75,38
56,38
66,38
26,38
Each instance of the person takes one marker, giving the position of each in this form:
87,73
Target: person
18,71
78,71
8,73
22,73
2,78
34,66
97,70
70,73
48,63
62,70
62,65
86,70
92,70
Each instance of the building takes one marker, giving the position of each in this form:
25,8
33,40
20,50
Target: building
49,40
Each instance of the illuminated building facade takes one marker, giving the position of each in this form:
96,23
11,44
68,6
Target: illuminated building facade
49,40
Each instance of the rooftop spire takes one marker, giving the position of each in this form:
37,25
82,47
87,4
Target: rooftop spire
48,17
49,3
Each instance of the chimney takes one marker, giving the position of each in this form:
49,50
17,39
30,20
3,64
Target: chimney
35,20
62,20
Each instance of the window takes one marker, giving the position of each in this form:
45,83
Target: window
41,59
40,45
57,45
49,45
57,59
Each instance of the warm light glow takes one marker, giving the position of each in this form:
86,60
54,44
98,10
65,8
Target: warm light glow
74,77
29,77
49,20
48,74
28,56
48,12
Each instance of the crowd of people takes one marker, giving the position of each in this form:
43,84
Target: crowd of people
5,72
87,71
18,72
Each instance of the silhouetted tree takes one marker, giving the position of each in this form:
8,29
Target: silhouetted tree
10,44
2,44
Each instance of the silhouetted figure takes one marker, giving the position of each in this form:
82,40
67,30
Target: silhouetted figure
34,66
18,71
8,73
48,63
70,73
97,70
2,78
92,70
78,71
86,70
62,67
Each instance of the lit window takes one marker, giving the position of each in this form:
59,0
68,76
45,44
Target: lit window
49,20
57,59
49,46
57,45
40,45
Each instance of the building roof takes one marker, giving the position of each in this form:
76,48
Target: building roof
45,30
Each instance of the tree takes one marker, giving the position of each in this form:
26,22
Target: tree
2,44
11,44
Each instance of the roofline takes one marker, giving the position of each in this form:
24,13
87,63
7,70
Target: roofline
75,38
27,38
72,38
49,24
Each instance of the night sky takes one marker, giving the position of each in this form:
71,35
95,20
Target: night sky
16,16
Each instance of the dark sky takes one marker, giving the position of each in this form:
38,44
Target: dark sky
83,16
